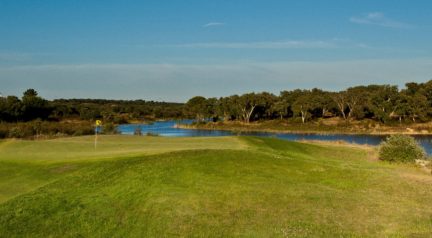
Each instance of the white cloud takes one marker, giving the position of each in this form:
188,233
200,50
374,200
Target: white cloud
379,19
213,24
179,82
260,45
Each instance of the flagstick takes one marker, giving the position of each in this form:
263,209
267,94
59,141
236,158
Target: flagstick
96,135
97,124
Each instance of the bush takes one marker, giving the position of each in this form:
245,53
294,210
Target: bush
16,132
3,134
109,128
151,134
36,129
400,148
138,131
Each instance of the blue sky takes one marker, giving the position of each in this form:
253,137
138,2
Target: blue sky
173,50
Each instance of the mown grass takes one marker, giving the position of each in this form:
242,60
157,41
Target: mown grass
225,187
26,165
108,147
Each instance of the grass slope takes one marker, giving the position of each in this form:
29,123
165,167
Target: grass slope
252,187
27,165
82,148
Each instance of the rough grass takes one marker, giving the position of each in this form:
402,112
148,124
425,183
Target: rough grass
250,187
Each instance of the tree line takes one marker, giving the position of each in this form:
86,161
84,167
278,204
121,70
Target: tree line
31,107
383,103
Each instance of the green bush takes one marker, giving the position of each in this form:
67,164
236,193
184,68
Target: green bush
400,148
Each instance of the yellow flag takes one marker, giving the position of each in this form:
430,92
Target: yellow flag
98,122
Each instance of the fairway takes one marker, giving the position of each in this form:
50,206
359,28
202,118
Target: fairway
206,187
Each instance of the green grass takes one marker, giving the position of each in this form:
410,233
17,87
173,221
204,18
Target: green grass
26,165
108,147
206,187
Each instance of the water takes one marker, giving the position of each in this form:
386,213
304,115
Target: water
167,128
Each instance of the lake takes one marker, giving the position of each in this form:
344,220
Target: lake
167,128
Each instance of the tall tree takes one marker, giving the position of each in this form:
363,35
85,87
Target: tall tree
340,99
321,102
211,108
355,101
264,109
30,93
384,101
223,108
280,107
34,106
288,98
418,107
303,105
248,103
197,106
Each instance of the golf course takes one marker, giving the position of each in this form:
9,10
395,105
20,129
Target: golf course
144,186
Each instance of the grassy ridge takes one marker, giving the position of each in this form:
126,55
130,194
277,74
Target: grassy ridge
253,187
82,148
26,165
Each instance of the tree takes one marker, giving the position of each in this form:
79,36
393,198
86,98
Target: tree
384,101
321,102
280,107
13,109
197,106
340,98
355,101
288,98
211,108
3,109
425,89
264,108
412,88
247,103
234,107
303,105
224,108
34,106
417,107
403,108
30,93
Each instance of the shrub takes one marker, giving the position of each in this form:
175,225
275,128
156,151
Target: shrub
36,129
15,132
400,148
109,128
138,131
120,120
151,134
4,131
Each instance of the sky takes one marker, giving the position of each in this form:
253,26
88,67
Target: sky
173,50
